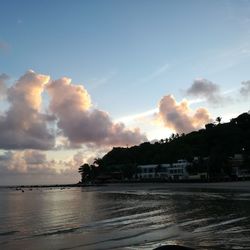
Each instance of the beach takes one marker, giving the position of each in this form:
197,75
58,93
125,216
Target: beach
127,216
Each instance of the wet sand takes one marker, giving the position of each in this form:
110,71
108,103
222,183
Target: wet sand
131,216
237,185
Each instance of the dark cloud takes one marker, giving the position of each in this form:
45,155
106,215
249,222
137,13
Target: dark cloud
206,89
179,117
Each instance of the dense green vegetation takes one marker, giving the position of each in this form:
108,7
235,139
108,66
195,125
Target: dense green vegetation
217,142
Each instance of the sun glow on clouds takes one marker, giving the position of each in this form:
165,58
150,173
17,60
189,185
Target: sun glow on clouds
172,116
179,116
168,118
81,124
151,112
54,135
30,130
148,123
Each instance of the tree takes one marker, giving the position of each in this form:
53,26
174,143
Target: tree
214,145
209,126
85,172
218,165
218,119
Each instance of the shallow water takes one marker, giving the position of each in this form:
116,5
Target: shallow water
124,217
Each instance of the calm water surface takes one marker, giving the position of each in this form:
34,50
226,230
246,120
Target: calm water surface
125,217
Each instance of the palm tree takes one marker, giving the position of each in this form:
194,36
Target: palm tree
84,170
218,119
172,137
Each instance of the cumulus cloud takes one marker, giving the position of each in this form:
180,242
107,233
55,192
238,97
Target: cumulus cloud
206,89
28,161
23,126
36,162
33,167
81,123
26,129
179,117
245,89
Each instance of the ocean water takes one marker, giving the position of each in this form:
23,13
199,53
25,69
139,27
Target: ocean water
138,216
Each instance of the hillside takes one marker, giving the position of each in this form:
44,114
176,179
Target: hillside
218,142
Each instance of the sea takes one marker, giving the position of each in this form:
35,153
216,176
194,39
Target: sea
126,216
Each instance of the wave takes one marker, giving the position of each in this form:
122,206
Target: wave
60,231
8,233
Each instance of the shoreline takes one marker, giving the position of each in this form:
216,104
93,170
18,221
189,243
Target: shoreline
233,185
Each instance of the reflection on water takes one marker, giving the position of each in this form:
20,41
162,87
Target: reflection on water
124,217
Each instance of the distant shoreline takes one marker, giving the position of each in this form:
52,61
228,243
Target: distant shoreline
234,185
48,186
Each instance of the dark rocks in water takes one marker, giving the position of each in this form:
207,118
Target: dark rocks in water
173,247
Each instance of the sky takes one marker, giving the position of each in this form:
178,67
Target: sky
80,77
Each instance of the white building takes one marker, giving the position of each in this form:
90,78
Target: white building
238,171
147,171
178,170
175,171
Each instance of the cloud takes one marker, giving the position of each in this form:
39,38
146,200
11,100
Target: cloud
26,129
179,117
23,126
138,116
81,123
206,89
98,82
159,71
245,89
28,161
33,167
3,79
